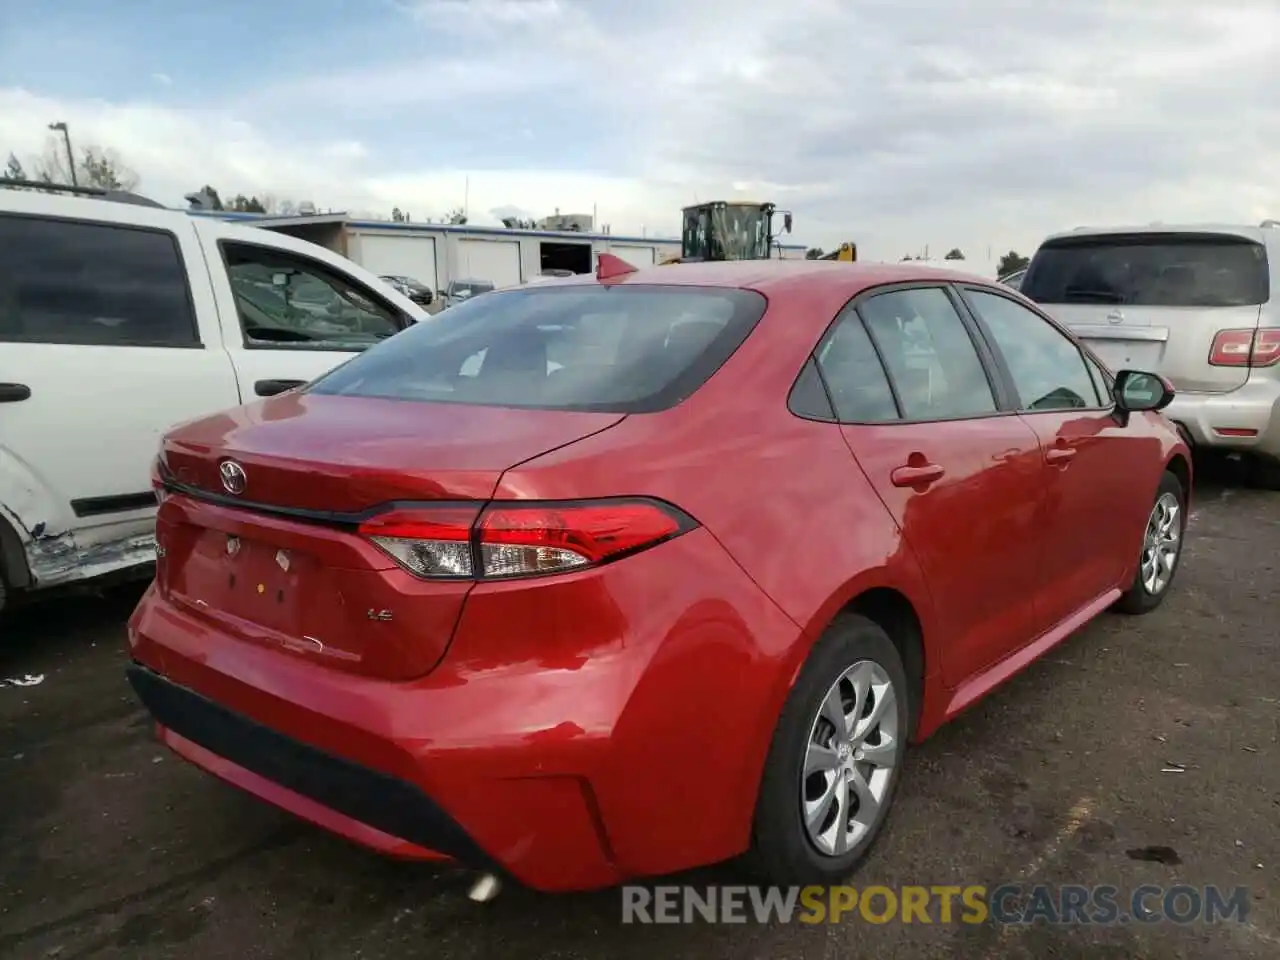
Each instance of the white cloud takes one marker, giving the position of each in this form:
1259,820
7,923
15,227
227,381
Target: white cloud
896,123
162,78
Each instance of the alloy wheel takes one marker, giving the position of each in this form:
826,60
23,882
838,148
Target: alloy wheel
1161,545
850,759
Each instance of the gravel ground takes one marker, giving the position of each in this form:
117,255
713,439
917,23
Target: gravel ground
110,847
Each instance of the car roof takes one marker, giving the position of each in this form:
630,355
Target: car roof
1255,233
780,276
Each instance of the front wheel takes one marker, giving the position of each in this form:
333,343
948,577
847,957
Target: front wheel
835,760
1161,550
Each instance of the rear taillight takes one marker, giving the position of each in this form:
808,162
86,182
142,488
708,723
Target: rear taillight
1246,348
432,542
515,539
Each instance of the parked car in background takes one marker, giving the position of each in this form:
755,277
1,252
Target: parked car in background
1197,304
120,319
1014,279
460,291
415,290
452,601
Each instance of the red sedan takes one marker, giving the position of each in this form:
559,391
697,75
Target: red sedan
623,574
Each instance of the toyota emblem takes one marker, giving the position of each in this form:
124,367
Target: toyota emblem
233,478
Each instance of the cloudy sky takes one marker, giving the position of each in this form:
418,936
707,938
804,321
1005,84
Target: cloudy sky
896,123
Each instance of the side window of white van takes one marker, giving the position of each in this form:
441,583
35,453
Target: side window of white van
288,301
93,284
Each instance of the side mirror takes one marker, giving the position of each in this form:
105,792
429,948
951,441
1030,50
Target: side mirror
786,222
273,388
1136,391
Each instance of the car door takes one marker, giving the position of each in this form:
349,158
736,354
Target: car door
102,351
923,418
289,317
1092,511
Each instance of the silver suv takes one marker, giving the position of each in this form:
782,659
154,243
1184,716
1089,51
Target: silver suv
1198,304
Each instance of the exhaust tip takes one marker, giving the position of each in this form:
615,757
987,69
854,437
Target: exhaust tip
485,888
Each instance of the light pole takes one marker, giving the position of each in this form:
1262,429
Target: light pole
71,158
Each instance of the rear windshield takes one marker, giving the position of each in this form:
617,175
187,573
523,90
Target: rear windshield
1165,270
616,349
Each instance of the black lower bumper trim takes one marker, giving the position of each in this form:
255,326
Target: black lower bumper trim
383,802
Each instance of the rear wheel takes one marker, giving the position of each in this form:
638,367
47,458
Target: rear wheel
1161,550
835,760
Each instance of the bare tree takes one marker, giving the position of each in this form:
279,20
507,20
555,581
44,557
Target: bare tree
95,167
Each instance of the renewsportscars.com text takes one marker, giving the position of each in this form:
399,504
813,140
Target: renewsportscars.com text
1057,905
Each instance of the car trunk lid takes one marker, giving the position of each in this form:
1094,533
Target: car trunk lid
325,454
1172,341
281,563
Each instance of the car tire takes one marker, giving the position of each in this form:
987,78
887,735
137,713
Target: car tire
785,850
1156,566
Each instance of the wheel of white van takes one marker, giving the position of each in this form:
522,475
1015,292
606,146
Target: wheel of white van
1161,550
835,760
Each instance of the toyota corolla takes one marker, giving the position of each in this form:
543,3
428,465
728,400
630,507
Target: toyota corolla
648,569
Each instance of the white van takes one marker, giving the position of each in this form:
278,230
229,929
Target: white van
119,320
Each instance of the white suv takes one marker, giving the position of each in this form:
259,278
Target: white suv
1198,304
119,320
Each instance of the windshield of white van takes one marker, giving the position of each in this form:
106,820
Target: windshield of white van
1155,270
625,349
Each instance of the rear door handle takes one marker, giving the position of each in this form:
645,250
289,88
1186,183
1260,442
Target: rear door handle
1059,455
270,388
912,475
14,392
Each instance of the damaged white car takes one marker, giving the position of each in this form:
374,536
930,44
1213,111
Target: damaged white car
120,318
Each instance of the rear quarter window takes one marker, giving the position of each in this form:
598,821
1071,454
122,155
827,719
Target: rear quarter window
617,349
1155,270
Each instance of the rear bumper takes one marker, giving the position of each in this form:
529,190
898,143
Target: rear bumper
259,759
1244,419
570,747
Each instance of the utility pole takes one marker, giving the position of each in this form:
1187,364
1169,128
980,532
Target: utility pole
71,157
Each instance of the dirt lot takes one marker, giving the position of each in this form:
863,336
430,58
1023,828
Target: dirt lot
109,847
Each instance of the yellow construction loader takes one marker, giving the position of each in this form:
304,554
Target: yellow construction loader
729,230
847,252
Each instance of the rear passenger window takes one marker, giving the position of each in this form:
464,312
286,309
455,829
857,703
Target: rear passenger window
932,361
92,284
860,392
1048,370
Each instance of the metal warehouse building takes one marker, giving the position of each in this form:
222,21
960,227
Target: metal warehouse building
436,254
